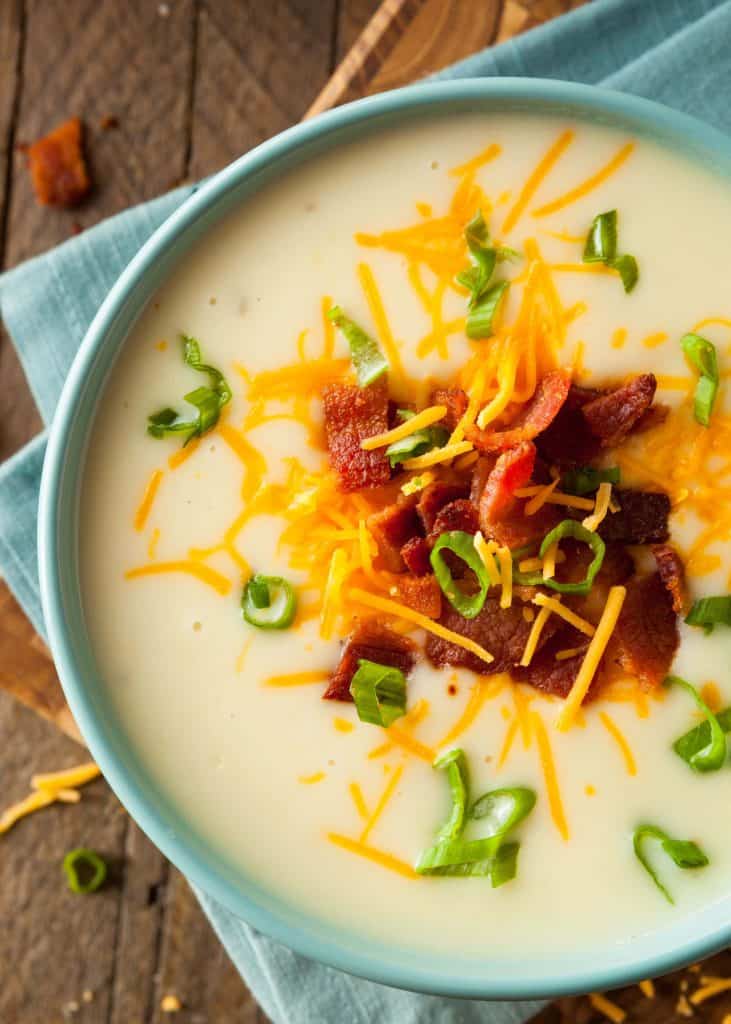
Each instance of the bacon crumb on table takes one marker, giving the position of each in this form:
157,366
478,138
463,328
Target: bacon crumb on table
57,166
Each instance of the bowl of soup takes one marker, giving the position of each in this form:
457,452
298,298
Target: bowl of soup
384,533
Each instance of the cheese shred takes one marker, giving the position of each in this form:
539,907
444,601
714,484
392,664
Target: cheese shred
610,1010
437,455
554,604
534,636
422,419
601,507
384,860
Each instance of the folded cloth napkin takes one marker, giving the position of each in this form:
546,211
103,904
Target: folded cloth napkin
674,51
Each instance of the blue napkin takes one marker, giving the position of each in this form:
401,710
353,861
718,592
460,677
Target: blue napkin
675,51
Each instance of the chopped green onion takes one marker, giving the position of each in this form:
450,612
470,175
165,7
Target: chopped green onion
269,602
601,242
702,354
586,479
699,738
499,810
462,545
368,360
601,247
418,443
503,809
207,400
379,692
480,317
455,764
710,611
85,870
711,757
684,853
567,528
629,272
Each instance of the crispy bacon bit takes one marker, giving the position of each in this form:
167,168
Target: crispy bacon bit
568,440
642,518
456,402
501,631
534,418
501,515
646,638
57,166
433,499
653,417
392,527
672,573
422,593
352,414
457,515
617,567
547,674
415,553
374,642
613,415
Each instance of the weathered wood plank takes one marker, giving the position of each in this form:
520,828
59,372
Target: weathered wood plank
352,18
258,67
196,969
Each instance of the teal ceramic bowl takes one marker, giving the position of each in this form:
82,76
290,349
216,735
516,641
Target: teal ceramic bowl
519,977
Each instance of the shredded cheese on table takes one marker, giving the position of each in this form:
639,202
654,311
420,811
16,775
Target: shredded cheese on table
47,789
422,419
713,987
593,656
647,988
610,1010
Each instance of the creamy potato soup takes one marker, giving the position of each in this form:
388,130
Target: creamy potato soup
397,503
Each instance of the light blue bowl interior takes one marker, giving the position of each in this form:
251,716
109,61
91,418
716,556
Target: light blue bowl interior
502,977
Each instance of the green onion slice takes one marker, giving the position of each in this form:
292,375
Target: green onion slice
601,242
711,757
482,314
85,870
503,809
379,692
683,853
702,354
709,611
368,360
462,545
567,528
418,443
586,479
207,400
601,247
269,602
455,764
699,738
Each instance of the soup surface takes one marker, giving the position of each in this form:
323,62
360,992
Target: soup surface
297,792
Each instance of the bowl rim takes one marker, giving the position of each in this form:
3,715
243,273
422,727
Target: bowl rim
638,114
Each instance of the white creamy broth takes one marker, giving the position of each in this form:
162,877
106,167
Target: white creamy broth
186,675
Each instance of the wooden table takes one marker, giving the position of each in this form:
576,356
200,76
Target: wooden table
192,84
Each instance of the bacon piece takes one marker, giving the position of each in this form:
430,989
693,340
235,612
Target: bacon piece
501,631
433,499
567,441
57,167
457,515
613,415
617,567
652,417
392,527
374,642
534,418
551,676
415,553
646,638
351,415
642,518
501,515
672,573
422,593
456,402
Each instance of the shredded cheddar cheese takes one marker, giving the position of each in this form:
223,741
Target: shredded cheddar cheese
183,454
555,497
47,789
202,572
145,506
69,778
482,691
311,780
505,561
534,636
378,810
486,551
437,455
339,570
601,507
568,652
417,483
299,678
593,656
610,1010
384,604
422,419
471,166
613,729
541,171
713,987
507,746
647,988
384,860
540,498
554,605
358,799
549,561
587,186
550,777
